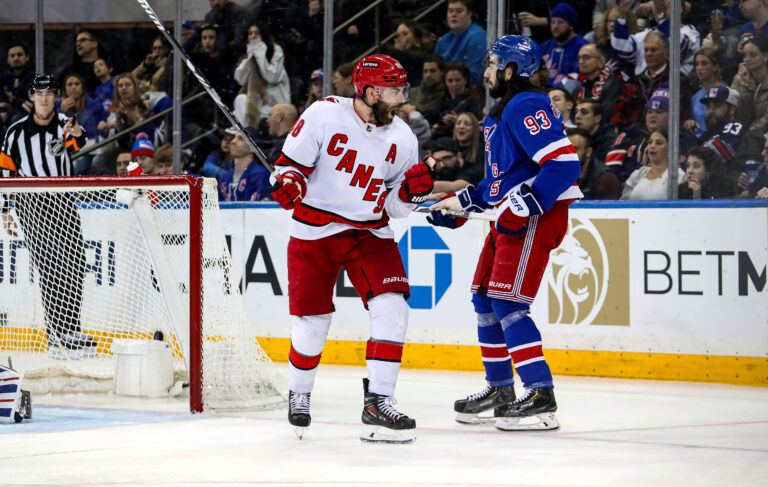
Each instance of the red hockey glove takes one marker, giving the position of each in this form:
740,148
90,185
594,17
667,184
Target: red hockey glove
515,211
289,189
417,185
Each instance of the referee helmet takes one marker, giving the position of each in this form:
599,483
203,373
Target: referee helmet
44,82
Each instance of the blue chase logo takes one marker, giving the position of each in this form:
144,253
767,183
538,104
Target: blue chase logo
418,243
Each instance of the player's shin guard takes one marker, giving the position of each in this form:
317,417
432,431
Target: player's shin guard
389,322
493,346
524,343
307,340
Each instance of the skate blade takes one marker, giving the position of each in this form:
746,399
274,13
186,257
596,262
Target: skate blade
473,419
299,430
538,422
378,434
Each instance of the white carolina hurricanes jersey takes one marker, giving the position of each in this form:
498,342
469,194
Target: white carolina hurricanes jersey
353,170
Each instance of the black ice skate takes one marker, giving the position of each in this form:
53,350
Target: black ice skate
382,422
533,411
72,345
298,412
468,410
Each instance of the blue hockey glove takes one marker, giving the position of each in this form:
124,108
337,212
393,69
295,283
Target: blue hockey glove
464,200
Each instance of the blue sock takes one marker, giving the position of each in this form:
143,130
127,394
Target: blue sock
493,345
524,343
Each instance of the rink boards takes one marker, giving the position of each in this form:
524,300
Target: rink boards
662,290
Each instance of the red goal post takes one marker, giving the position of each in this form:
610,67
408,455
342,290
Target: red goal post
226,367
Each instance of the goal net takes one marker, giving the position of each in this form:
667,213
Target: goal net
85,262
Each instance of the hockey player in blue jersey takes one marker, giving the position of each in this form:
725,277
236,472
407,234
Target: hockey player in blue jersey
531,173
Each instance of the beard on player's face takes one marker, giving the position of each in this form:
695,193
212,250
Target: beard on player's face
499,87
384,113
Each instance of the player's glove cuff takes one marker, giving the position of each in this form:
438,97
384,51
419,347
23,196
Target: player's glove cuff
522,202
289,189
470,200
515,211
417,185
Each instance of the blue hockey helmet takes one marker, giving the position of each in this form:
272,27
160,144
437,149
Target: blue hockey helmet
520,50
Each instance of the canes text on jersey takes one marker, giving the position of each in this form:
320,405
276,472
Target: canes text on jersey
361,173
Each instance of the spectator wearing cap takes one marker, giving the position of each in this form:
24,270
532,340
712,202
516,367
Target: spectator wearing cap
595,80
315,91
187,33
143,153
724,134
628,152
560,54
248,180
451,172
466,41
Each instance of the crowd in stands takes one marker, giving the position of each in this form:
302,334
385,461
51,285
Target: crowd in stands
605,66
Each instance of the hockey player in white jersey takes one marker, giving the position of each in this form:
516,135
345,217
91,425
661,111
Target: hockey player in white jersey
347,166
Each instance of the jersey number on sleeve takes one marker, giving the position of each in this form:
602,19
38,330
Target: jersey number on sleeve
297,127
535,127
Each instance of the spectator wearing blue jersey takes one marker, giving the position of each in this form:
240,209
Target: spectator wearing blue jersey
531,174
248,180
561,53
88,111
756,11
466,40
218,162
102,69
709,74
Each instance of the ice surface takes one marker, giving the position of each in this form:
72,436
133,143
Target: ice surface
615,432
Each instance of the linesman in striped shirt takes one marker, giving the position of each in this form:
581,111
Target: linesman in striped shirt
39,145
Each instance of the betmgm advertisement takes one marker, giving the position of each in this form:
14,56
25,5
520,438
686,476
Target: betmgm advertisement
635,292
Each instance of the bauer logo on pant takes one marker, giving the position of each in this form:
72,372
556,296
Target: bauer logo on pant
588,280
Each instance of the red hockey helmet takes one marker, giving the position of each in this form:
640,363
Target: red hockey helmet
380,71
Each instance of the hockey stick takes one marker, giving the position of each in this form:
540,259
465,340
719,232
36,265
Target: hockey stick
206,85
459,214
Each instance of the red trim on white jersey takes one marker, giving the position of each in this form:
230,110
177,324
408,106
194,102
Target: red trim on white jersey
317,218
284,160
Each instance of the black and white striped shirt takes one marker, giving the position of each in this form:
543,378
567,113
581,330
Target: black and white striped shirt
30,150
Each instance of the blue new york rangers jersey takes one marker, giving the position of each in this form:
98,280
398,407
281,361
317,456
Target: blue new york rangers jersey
528,145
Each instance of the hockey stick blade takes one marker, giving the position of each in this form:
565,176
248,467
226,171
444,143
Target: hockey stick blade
460,214
206,85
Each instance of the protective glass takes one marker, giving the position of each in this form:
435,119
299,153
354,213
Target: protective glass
394,94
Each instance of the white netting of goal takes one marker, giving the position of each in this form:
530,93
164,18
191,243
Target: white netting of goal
91,265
